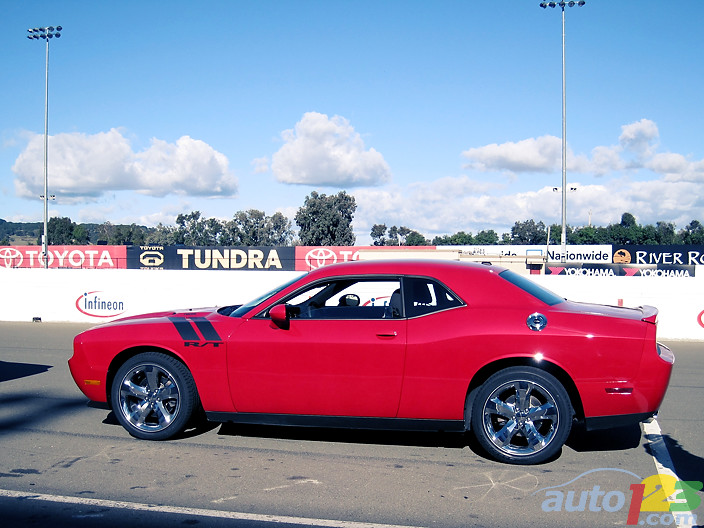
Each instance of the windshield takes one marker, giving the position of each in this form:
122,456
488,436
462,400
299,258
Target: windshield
239,312
532,288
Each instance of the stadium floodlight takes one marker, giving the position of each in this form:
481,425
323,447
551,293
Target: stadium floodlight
563,236
46,33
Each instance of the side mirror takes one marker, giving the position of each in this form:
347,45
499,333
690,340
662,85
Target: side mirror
279,317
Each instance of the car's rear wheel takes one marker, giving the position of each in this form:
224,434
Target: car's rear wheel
154,396
522,415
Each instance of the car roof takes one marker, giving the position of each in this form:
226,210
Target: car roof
421,267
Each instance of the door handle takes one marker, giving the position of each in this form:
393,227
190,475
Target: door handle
386,334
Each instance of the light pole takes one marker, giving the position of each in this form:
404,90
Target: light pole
563,236
46,33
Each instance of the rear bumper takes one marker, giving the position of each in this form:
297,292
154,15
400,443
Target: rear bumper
638,397
612,422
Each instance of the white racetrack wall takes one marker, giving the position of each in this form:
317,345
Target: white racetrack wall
100,295
679,299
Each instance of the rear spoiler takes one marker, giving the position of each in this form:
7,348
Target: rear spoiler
650,314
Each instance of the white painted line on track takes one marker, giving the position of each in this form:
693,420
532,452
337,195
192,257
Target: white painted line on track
240,516
663,462
661,456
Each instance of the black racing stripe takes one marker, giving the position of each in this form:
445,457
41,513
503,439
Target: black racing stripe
188,333
207,329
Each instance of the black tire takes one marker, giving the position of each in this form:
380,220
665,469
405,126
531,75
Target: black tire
522,415
154,396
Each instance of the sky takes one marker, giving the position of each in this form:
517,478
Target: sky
438,115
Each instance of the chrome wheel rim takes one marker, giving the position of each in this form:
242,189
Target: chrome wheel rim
520,417
149,398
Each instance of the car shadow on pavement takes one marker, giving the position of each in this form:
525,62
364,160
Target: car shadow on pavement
440,439
196,427
24,409
615,439
10,370
688,466
352,436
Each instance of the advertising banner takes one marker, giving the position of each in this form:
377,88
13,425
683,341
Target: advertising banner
99,304
636,260
619,270
312,257
596,254
211,258
576,253
77,257
678,255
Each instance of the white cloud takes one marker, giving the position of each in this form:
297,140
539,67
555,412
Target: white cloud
79,165
327,151
541,154
640,137
604,204
669,164
449,205
190,167
166,215
124,207
637,143
676,167
84,167
603,161
105,168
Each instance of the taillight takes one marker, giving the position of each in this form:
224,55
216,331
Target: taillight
665,353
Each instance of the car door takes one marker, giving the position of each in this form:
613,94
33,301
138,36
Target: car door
438,351
342,354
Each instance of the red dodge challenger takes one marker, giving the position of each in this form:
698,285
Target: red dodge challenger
403,345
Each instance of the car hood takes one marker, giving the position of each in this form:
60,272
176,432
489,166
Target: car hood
642,313
152,317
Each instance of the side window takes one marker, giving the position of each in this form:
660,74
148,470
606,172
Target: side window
346,299
424,296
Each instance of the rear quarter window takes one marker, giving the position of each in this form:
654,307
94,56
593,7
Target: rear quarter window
531,288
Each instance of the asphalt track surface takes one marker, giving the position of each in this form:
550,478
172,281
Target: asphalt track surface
66,463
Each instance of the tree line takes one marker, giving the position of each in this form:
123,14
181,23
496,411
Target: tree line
326,220
530,232
322,220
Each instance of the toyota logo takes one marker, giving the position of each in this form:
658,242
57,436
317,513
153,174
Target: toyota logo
319,257
151,258
11,257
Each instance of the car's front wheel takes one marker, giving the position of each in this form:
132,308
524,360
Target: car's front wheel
153,396
522,415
